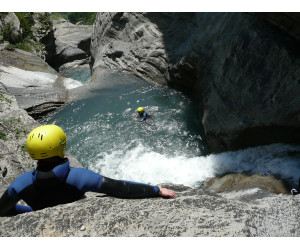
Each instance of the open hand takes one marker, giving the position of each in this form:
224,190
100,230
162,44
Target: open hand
164,192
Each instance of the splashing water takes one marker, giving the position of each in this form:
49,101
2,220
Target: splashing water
105,136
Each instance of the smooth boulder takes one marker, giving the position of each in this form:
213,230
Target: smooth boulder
38,88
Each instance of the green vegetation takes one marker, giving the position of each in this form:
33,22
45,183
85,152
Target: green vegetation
6,33
3,135
29,38
75,17
58,15
26,22
84,17
45,20
35,26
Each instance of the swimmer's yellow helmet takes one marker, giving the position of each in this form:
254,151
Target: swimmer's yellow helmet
140,109
46,141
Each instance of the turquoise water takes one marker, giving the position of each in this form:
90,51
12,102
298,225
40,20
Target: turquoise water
79,73
105,136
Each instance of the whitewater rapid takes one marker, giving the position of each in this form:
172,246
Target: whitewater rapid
144,165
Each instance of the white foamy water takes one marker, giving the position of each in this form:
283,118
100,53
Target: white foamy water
143,165
71,84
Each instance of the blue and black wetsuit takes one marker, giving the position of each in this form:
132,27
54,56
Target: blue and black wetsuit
144,116
64,184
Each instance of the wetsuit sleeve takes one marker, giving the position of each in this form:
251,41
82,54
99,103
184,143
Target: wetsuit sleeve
10,198
9,206
127,189
86,180
20,209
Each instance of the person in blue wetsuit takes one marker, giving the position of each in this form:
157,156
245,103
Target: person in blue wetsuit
55,182
143,115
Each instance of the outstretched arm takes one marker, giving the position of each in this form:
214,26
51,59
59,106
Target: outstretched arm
86,180
127,189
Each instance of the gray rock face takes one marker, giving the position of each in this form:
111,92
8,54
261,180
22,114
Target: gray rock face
38,88
243,70
15,124
192,213
72,42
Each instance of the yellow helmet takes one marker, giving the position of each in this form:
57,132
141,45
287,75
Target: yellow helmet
46,141
140,109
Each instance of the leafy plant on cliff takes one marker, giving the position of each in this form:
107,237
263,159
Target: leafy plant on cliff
84,17
6,32
26,22
45,21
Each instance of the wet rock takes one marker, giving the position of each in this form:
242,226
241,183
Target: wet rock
236,182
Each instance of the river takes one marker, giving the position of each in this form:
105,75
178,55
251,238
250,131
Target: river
105,135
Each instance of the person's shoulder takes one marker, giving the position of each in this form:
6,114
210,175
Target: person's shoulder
22,181
24,177
76,174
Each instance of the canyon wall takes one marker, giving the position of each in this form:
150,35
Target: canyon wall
242,68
